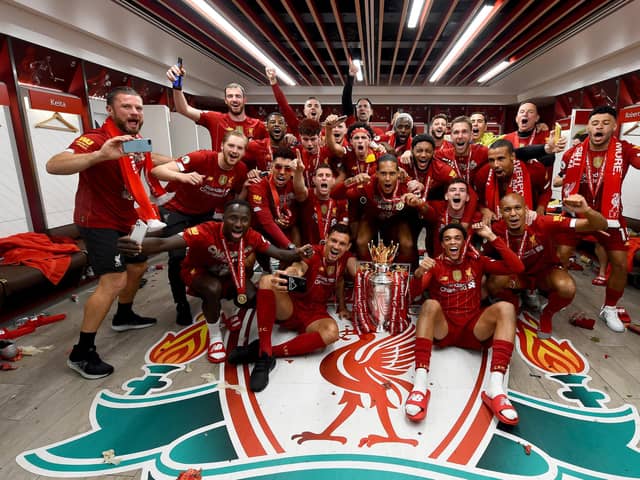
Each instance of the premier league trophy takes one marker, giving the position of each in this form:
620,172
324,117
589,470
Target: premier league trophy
381,289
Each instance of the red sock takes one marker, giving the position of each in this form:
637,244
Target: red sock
501,356
423,352
303,343
266,314
612,296
556,303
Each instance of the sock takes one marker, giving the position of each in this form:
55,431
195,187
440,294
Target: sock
423,353
85,343
495,385
303,343
124,309
501,355
214,332
266,314
419,385
612,296
556,303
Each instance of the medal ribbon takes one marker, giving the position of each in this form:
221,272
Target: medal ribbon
276,198
588,165
239,278
323,224
522,244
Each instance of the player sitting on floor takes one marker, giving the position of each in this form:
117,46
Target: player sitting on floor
452,316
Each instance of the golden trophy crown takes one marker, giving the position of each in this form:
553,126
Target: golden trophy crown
382,254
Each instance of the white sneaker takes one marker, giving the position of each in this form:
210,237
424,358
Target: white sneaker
155,225
611,318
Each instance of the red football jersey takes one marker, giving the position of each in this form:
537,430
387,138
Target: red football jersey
219,186
102,200
457,286
205,249
535,247
322,278
220,123
320,216
467,165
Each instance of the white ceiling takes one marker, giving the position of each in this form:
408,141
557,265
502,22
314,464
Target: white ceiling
105,33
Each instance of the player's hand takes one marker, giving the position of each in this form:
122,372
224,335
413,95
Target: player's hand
253,174
333,121
191,178
298,165
427,263
576,203
415,187
270,72
488,216
344,312
554,146
305,251
128,246
413,200
174,72
112,148
290,139
531,216
483,230
277,282
353,68
359,179
406,158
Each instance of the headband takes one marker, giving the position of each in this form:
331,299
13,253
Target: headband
360,130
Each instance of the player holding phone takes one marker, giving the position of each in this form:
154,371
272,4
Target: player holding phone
104,211
305,312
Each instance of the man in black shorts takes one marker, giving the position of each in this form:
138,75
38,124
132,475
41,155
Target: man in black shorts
104,211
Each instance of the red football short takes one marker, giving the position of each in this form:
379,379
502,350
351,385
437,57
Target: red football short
461,335
304,314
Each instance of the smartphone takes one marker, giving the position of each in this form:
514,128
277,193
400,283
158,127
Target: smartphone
137,145
139,231
295,284
177,83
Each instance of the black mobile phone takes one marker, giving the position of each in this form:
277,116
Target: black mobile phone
295,284
177,83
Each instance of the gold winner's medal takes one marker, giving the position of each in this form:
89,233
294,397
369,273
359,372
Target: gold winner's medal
399,206
597,161
241,298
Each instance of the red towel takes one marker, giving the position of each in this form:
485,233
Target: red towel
37,250
634,246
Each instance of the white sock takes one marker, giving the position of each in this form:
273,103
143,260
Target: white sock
419,385
610,308
215,335
495,387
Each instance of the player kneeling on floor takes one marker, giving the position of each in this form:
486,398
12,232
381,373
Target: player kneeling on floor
219,263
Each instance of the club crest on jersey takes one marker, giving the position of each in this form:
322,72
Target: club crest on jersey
457,275
222,179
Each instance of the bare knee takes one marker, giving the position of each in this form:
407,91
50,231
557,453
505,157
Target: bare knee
329,332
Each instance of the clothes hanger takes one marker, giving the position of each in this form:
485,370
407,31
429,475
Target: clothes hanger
632,128
68,127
